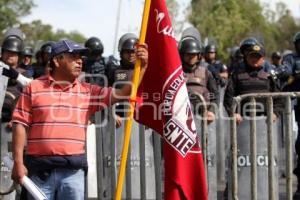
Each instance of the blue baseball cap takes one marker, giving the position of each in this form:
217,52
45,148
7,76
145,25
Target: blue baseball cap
67,46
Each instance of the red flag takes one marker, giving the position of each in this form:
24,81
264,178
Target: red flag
166,109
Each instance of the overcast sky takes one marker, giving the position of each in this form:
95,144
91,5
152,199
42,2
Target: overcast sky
98,17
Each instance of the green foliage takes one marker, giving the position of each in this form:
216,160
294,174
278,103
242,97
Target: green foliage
173,8
12,10
230,21
36,32
174,12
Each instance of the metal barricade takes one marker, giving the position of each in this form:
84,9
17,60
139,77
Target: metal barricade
144,176
270,140
7,188
208,136
222,140
145,171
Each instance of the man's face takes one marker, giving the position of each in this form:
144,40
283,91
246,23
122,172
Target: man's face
27,60
95,56
70,66
255,60
210,56
190,58
10,58
129,56
276,60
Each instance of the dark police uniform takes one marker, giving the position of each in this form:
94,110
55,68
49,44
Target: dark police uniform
122,74
216,68
199,80
96,71
246,80
291,63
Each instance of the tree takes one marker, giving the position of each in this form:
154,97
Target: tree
174,11
12,10
286,25
230,21
35,32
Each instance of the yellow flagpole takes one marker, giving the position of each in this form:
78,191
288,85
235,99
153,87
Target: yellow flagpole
128,125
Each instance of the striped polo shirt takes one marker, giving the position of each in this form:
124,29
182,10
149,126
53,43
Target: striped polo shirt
57,116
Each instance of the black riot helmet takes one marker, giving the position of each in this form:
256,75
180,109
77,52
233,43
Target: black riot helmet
276,54
189,45
46,50
233,51
296,41
13,44
46,47
296,37
127,42
210,49
28,51
247,43
94,45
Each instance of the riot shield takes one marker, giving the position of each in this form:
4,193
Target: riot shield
222,140
208,133
140,179
6,182
92,183
5,143
244,164
3,85
14,32
191,32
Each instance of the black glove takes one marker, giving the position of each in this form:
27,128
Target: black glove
10,73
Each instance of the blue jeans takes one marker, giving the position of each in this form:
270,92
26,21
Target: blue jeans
61,184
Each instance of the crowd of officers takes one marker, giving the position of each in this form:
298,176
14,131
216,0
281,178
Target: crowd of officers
247,72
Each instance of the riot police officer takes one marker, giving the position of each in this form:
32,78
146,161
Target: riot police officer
124,72
12,80
236,57
41,68
216,67
95,64
276,58
12,48
279,72
291,64
26,59
251,77
126,47
245,46
199,78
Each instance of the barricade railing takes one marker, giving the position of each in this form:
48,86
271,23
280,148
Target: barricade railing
143,161
207,134
204,129
12,187
253,148
102,160
157,157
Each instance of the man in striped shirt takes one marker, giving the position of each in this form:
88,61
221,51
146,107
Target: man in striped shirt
52,116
